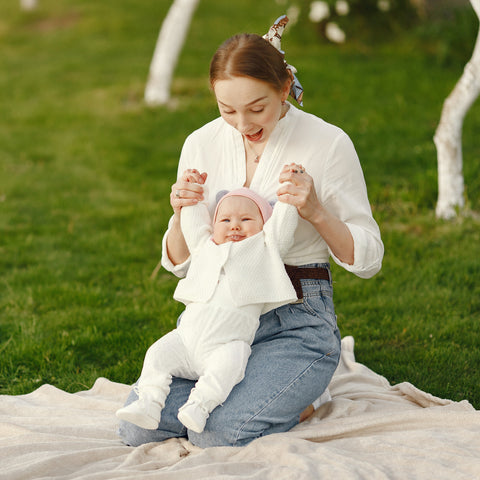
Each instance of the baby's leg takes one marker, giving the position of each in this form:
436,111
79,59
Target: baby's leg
166,357
222,370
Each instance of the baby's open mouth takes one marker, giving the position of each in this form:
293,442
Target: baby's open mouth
236,238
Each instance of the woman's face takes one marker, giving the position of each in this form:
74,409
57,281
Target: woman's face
251,106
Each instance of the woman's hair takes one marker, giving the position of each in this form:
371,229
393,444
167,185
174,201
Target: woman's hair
249,55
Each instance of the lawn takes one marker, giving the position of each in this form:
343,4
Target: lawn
86,168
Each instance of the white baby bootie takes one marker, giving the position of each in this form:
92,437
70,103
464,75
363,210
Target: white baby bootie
193,416
143,412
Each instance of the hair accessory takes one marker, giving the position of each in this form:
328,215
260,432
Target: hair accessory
274,36
262,204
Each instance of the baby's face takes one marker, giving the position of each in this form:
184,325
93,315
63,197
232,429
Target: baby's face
237,219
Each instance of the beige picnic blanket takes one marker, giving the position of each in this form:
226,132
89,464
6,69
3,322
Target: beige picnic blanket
370,430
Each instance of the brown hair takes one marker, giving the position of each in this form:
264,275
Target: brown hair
249,55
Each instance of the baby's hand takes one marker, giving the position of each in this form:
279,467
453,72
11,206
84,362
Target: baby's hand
194,176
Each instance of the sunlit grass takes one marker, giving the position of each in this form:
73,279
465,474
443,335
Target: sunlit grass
86,168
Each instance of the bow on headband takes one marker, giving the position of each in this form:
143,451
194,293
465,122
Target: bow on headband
274,36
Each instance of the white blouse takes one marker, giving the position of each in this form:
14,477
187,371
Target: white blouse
328,155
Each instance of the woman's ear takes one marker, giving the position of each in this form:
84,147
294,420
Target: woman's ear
286,89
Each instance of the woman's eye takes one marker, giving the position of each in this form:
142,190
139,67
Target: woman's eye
258,110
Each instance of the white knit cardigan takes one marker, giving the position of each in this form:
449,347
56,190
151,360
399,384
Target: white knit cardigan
253,267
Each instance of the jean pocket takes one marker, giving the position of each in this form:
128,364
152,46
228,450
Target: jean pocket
321,306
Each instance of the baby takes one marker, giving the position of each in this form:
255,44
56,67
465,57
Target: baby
236,274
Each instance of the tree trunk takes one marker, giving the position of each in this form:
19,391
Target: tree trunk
448,136
167,50
28,4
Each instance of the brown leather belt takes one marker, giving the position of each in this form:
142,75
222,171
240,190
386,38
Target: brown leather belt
305,273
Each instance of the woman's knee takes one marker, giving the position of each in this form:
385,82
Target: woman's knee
134,436
223,432
236,424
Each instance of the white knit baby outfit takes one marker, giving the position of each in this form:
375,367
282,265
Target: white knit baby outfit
227,288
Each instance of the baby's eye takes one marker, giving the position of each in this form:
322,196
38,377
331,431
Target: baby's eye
226,220
246,219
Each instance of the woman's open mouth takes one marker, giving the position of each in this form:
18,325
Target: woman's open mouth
255,137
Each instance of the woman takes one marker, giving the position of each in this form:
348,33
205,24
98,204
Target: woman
257,136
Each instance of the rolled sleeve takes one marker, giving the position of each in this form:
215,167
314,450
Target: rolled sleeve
368,253
347,198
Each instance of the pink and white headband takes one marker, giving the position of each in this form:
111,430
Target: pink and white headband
262,204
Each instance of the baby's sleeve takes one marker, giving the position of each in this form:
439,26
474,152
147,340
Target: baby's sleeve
280,228
196,225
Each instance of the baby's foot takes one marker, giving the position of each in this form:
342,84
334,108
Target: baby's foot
145,414
193,416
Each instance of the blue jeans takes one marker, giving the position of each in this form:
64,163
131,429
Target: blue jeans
294,356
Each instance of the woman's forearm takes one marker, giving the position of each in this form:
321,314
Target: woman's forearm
336,235
177,249
187,190
297,188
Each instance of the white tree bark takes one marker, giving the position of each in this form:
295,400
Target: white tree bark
448,136
28,4
167,50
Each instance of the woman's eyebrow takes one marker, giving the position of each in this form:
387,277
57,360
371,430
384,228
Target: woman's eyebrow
247,105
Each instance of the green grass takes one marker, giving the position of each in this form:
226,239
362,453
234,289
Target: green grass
86,167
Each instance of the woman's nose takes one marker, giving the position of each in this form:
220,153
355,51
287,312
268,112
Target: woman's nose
242,124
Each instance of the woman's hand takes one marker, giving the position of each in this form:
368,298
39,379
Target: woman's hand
298,189
187,190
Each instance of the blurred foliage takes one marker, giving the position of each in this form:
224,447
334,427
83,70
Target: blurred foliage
361,20
451,35
449,30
